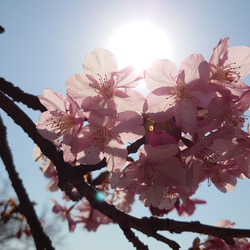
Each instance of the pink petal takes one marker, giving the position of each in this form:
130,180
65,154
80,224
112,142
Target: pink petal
130,126
240,57
161,73
186,115
44,130
52,101
220,52
116,155
100,61
129,99
191,67
127,78
78,88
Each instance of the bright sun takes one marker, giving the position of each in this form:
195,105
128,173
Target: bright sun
139,44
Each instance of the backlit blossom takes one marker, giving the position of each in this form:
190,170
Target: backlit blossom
189,128
65,213
47,168
89,217
151,175
178,94
105,136
103,88
61,122
229,65
123,199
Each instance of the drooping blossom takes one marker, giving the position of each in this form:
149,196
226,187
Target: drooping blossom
65,213
47,168
214,156
184,208
123,198
61,122
104,88
188,206
152,175
89,217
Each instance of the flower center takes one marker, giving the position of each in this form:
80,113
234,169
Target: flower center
225,74
102,136
105,87
180,93
147,174
217,177
60,124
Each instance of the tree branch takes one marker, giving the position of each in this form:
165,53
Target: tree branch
19,96
42,241
133,239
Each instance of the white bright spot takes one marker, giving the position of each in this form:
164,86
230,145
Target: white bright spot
139,44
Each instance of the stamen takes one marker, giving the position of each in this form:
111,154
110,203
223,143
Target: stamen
102,136
105,87
179,94
207,157
60,125
225,75
148,174
235,121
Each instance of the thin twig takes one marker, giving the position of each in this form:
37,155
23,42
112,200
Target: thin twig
130,235
171,243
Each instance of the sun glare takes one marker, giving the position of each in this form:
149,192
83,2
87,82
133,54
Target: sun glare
139,44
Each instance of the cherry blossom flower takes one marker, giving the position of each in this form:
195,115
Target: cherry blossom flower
229,65
123,199
65,213
103,88
214,155
89,217
150,176
47,168
49,171
188,206
230,113
178,93
105,136
62,121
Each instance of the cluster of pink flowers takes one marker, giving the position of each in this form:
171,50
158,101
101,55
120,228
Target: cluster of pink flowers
192,119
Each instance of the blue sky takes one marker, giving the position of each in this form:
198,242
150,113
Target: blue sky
46,41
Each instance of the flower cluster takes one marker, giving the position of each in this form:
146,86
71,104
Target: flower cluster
192,120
